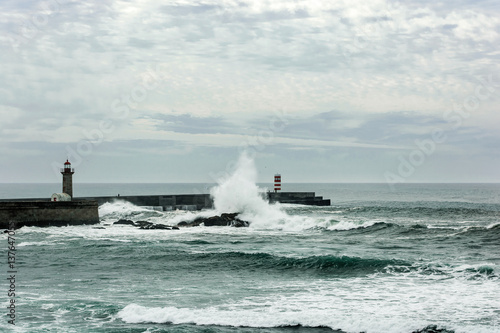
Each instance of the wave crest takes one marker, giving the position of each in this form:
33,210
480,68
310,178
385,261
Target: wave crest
265,318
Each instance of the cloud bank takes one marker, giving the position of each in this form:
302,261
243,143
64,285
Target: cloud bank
172,91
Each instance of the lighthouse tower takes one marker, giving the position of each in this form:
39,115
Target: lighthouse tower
67,172
277,183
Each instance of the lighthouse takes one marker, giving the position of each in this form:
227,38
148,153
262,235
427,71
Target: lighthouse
67,172
277,183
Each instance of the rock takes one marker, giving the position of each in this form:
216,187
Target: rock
153,226
143,224
127,222
230,216
146,225
194,223
237,223
433,329
224,220
216,221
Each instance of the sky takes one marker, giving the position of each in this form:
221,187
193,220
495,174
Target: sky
319,91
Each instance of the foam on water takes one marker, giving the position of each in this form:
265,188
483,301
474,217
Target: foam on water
110,212
266,317
119,206
372,304
334,309
42,243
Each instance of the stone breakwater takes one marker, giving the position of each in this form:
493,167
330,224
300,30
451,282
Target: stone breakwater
300,198
166,202
47,213
205,201
43,213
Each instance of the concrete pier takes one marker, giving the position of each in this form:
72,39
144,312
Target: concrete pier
301,198
204,201
167,202
45,213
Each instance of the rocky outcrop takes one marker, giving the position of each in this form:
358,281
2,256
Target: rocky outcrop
146,225
224,220
125,222
433,329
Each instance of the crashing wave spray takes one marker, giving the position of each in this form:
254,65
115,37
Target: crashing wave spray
238,193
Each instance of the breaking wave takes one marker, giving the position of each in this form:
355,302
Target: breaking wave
239,193
269,318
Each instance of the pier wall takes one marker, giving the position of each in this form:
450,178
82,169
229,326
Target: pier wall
167,202
46,213
204,201
301,198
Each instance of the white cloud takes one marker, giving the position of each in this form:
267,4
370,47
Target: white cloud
240,60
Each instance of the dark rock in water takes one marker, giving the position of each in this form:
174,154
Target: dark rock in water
127,222
161,226
155,226
98,228
224,220
195,223
216,221
433,329
237,223
144,224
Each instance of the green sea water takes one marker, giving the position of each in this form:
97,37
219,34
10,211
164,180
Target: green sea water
374,261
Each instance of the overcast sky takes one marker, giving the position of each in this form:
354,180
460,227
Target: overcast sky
173,91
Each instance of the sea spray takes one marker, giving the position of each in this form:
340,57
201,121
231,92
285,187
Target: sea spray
239,193
120,209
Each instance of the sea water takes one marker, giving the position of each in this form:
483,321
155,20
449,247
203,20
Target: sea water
373,261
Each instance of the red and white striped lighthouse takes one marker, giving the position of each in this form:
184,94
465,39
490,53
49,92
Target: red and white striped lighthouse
277,182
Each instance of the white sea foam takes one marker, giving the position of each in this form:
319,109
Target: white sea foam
269,316
265,317
388,304
112,211
42,243
119,207
493,225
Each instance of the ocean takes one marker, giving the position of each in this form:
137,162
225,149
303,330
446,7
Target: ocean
422,258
